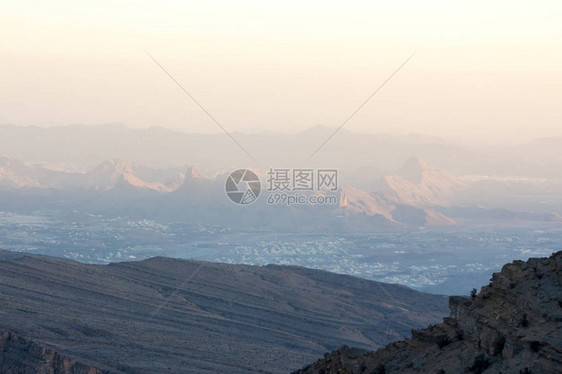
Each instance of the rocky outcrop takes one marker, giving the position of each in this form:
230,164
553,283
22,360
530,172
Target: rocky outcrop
23,356
514,325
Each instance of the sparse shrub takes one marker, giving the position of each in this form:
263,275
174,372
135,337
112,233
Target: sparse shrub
443,341
473,293
380,369
535,346
524,321
525,371
498,344
441,371
481,363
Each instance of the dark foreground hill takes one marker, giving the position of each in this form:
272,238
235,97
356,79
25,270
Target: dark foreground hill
513,326
165,315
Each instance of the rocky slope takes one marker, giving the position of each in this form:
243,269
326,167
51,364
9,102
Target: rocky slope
23,356
514,325
165,315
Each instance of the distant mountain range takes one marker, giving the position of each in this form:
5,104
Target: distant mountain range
514,325
165,315
79,147
417,194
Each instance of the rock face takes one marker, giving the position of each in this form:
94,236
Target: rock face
165,315
23,356
514,325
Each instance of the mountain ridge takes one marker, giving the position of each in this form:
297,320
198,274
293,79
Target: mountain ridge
160,313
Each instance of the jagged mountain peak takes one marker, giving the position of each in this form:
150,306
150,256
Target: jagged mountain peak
117,165
126,174
419,184
413,170
193,173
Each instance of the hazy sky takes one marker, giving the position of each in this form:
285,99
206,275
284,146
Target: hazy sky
484,70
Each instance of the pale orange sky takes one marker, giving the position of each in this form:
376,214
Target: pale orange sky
485,70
